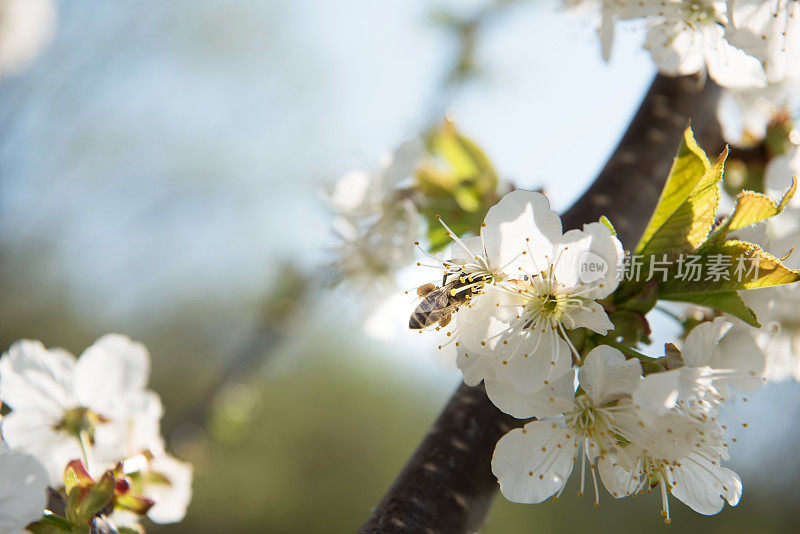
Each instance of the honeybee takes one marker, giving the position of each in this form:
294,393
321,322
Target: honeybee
440,303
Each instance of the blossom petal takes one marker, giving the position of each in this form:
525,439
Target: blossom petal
171,499
401,163
23,491
486,316
675,49
474,366
534,462
728,65
522,222
619,481
533,363
606,375
111,368
550,401
658,393
590,315
34,433
702,341
739,352
589,258
35,378
702,485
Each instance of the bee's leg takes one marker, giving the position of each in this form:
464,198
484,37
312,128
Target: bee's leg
444,321
425,289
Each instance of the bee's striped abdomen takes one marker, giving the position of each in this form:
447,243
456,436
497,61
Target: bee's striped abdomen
433,308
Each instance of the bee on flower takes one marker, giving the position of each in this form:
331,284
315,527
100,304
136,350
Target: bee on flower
517,331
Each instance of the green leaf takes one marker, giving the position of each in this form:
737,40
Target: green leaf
726,301
459,163
51,523
724,269
643,301
688,227
137,504
466,158
604,220
41,527
83,504
688,169
457,183
752,207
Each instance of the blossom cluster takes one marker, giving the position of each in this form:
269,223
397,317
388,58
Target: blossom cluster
739,43
750,47
93,416
528,317
375,218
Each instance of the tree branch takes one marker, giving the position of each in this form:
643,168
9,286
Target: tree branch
447,486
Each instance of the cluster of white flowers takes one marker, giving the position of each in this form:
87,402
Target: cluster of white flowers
376,219
96,409
739,43
530,286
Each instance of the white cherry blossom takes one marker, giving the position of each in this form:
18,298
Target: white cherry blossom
745,113
64,409
685,37
361,194
534,462
516,332
768,30
162,478
375,220
676,454
710,374
23,490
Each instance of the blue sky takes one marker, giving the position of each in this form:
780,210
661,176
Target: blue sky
182,145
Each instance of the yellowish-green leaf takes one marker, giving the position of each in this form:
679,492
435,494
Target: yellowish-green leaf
754,207
466,161
457,183
687,170
467,198
725,301
604,220
729,266
688,227
91,501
